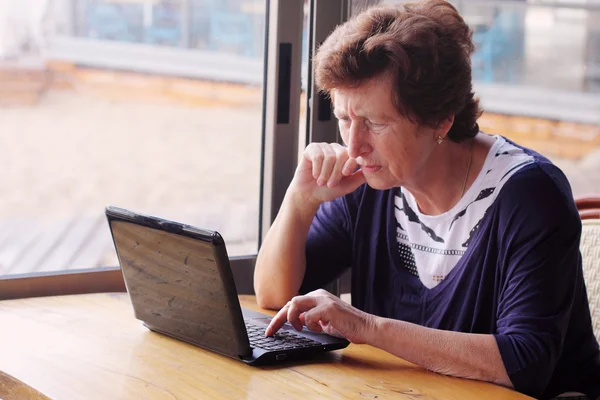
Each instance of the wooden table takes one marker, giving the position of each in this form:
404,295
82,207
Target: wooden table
91,347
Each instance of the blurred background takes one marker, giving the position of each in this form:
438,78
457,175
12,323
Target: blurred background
156,106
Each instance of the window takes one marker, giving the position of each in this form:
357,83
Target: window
150,105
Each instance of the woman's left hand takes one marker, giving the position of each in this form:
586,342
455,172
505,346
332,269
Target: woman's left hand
320,311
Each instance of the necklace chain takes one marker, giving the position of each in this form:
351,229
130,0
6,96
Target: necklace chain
468,169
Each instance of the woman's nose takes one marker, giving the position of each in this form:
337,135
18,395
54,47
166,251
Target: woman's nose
356,141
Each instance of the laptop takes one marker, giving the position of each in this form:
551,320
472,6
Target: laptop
180,284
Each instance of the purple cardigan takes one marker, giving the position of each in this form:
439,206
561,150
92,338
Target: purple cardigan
520,279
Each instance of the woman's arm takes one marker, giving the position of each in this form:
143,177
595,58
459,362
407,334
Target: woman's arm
324,173
465,355
281,262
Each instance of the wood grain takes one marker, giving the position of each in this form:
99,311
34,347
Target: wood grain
178,288
91,347
99,280
14,389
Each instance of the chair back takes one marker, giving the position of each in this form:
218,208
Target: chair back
590,252
589,207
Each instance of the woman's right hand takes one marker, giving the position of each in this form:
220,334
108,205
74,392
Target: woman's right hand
324,173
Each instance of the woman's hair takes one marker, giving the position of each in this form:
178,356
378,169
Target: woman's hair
426,47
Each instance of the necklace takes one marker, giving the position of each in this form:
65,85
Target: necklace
468,169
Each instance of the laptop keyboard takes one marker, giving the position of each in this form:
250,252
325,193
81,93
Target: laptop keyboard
282,340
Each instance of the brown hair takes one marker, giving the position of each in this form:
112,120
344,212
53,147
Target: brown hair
425,46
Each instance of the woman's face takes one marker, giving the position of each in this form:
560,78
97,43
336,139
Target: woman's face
391,150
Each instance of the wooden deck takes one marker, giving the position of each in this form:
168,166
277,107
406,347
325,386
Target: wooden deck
30,246
82,242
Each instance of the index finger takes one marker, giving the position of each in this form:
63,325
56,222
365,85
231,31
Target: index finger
278,320
350,167
291,312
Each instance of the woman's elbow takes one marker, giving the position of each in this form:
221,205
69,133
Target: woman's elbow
272,293
270,296
270,300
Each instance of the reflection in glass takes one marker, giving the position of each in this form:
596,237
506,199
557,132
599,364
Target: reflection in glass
226,26
528,44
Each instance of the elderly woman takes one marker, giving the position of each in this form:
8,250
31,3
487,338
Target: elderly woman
463,246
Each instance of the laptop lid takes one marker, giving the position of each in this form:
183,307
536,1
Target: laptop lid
179,280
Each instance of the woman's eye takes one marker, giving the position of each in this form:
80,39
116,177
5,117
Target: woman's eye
375,126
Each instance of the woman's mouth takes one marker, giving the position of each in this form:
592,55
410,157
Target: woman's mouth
370,168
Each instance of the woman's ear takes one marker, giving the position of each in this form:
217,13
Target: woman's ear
445,125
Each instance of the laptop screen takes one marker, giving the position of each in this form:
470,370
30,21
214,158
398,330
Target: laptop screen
177,286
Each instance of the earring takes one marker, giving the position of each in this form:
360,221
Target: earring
440,139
